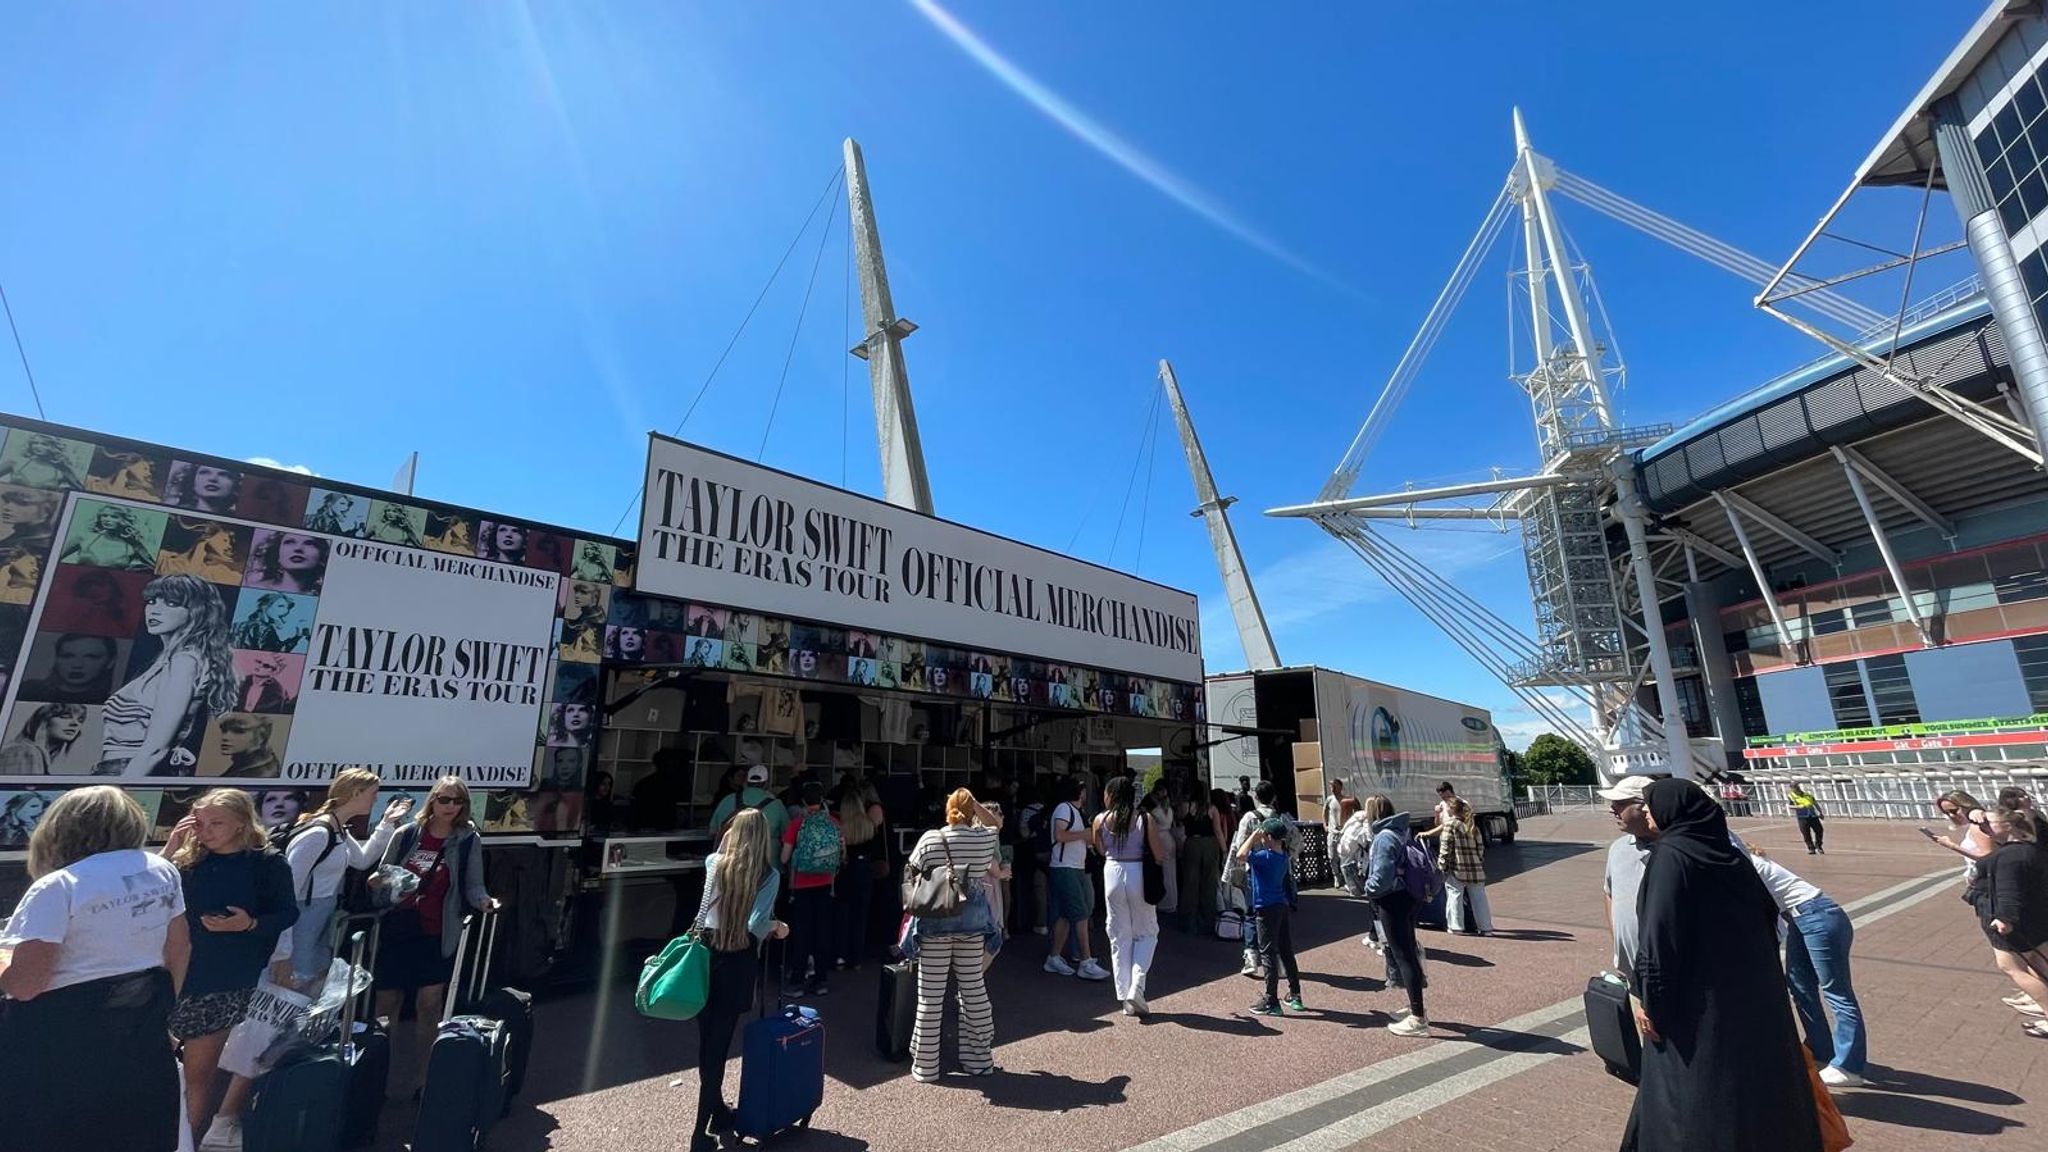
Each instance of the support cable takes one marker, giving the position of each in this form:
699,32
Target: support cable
738,332
789,355
1150,422
1145,508
1418,350
846,341
34,392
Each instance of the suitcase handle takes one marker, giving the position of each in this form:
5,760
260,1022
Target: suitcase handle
357,943
471,988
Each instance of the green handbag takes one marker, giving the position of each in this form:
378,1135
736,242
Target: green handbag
674,984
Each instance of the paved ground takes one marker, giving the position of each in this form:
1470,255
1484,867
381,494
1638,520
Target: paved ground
1505,1069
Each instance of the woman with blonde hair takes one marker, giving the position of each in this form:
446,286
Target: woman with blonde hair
90,963
862,829
320,851
736,914
238,902
955,949
417,941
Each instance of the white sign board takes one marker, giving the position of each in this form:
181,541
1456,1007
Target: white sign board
423,665
169,644
721,530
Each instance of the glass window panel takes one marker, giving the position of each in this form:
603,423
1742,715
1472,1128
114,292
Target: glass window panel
2037,138
2033,194
1988,147
2033,654
1736,641
1845,693
1871,614
2028,100
1891,687
2041,315
2012,214
1829,622
2017,575
2020,157
1751,704
2000,177
2035,273
2008,124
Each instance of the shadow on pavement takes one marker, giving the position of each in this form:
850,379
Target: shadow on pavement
1505,1040
1920,1084
1457,959
1039,1091
1916,1112
1539,935
1224,1025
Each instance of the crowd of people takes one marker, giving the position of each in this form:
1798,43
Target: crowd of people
126,970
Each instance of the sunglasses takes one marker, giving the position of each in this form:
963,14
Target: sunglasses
455,800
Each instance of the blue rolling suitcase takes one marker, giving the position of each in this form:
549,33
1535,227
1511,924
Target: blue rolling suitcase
467,1069
782,1073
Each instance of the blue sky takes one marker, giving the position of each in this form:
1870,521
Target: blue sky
516,237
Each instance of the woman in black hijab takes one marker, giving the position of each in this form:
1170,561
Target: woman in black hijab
1721,1065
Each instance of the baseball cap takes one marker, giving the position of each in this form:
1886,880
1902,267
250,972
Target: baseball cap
1627,788
1276,828
758,774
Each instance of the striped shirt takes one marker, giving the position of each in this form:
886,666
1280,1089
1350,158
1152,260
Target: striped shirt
971,848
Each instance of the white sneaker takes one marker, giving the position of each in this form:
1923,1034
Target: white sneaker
1090,970
1834,1077
225,1135
1129,1010
1410,1026
1138,1005
1058,966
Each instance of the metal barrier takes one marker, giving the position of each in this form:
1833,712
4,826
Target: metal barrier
1557,798
1899,795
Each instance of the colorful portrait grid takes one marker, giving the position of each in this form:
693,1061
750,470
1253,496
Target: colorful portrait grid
613,625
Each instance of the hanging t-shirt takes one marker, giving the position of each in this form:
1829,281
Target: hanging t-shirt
107,914
426,861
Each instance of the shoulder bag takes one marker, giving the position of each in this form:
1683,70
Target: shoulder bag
1152,873
937,892
675,982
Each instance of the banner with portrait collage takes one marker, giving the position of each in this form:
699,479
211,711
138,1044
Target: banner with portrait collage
354,629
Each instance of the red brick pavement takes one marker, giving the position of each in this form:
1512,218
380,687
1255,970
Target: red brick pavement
1077,1076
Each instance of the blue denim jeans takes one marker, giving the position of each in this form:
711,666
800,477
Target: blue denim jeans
1817,968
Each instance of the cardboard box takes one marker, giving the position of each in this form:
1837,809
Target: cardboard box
1311,732
1308,755
1309,784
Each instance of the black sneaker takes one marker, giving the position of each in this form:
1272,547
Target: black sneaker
818,988
1267,1008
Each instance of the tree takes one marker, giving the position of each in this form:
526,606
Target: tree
1552,759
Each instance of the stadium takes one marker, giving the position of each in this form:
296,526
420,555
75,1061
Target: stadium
1845,563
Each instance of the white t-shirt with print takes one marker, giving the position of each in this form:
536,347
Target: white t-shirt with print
107,914
1071,853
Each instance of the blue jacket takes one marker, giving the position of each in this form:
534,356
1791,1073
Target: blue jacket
1383,860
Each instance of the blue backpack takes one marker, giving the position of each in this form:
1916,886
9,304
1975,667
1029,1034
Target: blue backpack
1417,869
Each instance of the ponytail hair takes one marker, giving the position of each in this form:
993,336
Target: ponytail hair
346,786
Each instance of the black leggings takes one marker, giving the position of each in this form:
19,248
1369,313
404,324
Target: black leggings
1810,831
100,1049
1404,952
733,977
1276,949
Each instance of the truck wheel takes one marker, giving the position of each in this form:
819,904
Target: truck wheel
1507,831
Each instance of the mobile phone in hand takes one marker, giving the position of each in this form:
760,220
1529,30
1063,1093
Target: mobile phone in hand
1929,833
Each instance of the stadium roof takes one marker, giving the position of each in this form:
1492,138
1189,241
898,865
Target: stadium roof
1906,153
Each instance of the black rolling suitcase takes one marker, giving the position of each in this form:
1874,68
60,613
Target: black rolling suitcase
1611,1023
509,1006
896,1010
370,1066
466,1071
302,1105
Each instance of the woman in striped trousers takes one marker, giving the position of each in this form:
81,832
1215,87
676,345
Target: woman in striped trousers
954,950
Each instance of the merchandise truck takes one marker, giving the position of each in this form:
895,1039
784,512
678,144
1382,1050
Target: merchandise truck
598,695
1303,727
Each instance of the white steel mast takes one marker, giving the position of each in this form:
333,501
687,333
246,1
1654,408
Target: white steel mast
903,476
1259,653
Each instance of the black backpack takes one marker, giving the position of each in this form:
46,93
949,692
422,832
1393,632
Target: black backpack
354,897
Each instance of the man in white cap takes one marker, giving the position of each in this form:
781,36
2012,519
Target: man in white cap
754,795
1625,859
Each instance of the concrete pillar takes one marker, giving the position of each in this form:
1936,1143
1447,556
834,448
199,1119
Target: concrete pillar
1717,670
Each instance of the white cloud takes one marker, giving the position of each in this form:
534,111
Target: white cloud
267,462
1113,147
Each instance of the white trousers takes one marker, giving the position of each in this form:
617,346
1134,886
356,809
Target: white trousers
1133,926
1466,908
960,958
